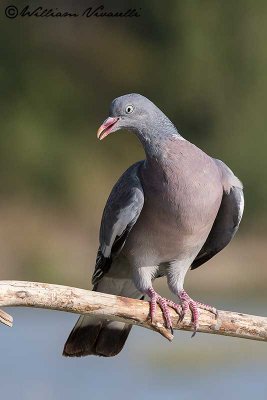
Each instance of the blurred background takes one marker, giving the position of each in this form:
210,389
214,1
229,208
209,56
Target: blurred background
204,64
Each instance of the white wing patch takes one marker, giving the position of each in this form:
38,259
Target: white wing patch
241,208
229,179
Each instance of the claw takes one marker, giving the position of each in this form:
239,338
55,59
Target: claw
164,305
194,333
187,303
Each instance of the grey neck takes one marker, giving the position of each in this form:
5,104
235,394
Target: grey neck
156,140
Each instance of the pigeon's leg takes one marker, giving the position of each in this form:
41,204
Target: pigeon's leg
175,275
143,277
164,305
187,303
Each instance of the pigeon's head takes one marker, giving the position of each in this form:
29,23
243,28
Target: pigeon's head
133,112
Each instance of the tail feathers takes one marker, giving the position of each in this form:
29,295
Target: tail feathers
94,336
82,337
112,338
98,336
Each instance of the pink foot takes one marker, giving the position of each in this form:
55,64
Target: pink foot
187,303
164,305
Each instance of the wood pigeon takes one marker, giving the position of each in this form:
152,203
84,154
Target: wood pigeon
166,214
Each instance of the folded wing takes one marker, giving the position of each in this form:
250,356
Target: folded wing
120,214
228,218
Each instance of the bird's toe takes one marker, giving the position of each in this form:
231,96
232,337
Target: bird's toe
164,305
188,303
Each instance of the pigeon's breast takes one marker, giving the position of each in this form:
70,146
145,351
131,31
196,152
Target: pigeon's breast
179,210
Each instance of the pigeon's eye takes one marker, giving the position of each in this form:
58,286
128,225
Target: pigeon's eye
129,109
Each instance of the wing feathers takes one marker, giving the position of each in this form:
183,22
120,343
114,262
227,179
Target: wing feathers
228,218
120,214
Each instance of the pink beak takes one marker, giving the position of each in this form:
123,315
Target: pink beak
106,127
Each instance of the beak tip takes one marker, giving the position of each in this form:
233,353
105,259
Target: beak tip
106,127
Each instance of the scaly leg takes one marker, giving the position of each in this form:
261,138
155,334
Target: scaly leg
187,303
164,305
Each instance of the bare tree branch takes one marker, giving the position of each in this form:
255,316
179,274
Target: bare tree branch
5,318
79,301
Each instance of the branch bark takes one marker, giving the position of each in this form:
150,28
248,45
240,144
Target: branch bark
80,301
